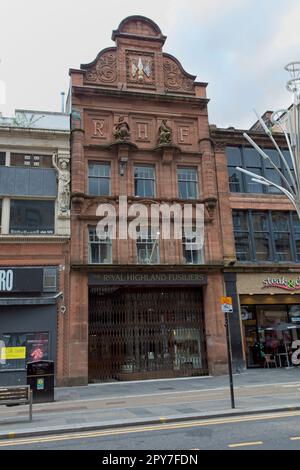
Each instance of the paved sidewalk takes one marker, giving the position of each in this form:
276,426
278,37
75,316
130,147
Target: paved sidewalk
134,403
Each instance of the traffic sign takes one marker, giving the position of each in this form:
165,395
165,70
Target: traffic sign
226,303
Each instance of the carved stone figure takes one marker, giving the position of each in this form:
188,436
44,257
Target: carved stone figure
122,130
63,175
165,133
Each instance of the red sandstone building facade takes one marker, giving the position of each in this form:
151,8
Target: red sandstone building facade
150,307
262,232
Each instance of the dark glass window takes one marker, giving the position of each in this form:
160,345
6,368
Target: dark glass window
270,172
261,235
241,235
50,279
31,217
99,179
250,159
253,163
187,183
144,181
281,234
266,235
100,249
296,226
235,180
234,157
288,159
32,160
2,158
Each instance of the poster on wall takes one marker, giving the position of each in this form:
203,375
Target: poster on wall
16,349
37,346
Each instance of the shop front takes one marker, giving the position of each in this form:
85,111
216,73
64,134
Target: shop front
146,325
28,320
270,316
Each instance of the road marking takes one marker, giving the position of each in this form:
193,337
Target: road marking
147,428
295,438
242,444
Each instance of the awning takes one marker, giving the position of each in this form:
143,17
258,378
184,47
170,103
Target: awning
39,300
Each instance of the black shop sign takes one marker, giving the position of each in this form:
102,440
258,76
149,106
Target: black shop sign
21,280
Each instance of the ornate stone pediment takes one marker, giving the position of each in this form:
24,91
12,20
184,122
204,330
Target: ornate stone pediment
103,70
176,79
138,26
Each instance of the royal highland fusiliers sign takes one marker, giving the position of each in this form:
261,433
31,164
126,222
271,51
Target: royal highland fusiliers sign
21,280
157,279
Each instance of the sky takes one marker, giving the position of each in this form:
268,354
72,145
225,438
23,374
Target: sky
239,46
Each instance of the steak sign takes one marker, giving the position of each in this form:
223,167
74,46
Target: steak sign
282,283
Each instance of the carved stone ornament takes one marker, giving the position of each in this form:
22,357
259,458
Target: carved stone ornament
140,70
219,146
210,206
122,130
164,134
105,70
61,164
175,79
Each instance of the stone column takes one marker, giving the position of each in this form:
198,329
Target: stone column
213,250
214,325
209,188
77,335
224,203
77,161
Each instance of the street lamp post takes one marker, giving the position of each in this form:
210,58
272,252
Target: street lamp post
288,121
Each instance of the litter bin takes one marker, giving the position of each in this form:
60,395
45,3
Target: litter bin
40,377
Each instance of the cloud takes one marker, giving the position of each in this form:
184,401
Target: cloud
238,46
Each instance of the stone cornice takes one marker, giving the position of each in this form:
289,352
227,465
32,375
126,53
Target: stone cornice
34,132
232,136
134,199
263,268
33,239
134,147
199,268
125,94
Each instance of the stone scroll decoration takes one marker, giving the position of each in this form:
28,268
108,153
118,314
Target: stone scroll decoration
103,71
61,163
175,77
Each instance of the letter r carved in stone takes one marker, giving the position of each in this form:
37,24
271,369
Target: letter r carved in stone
98,128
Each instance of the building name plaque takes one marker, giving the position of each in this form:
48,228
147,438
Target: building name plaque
194,279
